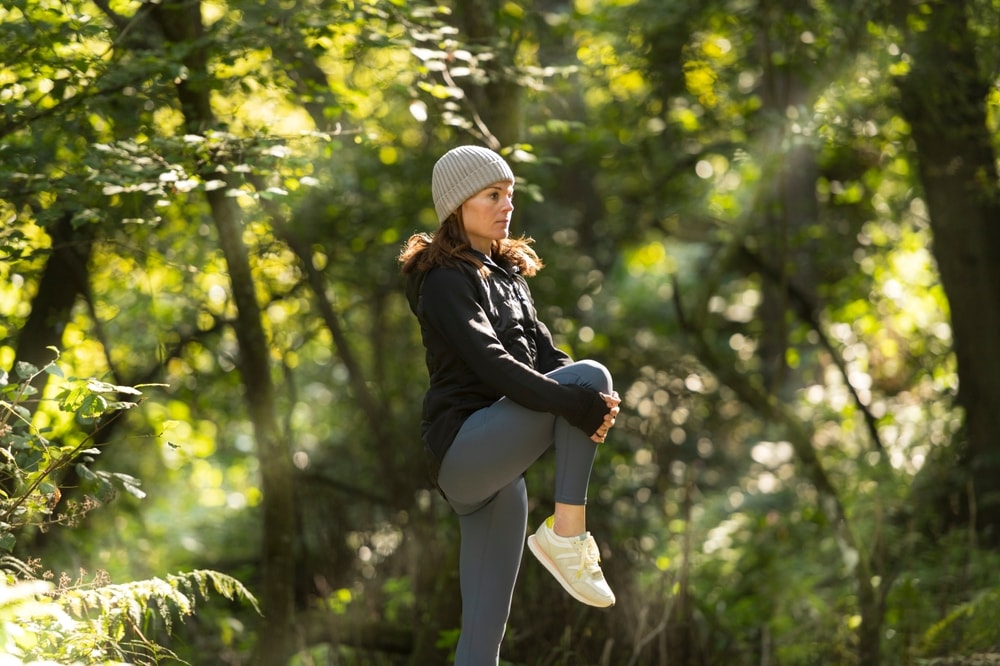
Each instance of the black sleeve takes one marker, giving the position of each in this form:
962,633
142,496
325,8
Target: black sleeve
450,307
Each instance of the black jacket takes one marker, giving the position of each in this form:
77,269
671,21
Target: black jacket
483,341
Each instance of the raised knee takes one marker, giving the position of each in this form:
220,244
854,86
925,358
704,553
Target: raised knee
595,374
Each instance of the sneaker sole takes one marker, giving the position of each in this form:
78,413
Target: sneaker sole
540,555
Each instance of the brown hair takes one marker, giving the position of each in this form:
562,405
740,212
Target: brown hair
450,246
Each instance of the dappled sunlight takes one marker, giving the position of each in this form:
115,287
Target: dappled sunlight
766,221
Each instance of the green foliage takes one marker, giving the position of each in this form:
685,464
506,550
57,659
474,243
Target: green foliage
102,623
33,464
85,622
727,202
946,604
973,626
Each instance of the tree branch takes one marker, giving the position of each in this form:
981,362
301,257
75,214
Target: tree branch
806,310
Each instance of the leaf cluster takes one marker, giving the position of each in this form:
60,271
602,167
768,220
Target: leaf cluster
33,462
82,621
101,623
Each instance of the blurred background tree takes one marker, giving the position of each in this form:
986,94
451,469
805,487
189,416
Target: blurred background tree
774,221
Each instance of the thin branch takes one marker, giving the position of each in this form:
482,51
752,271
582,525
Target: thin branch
57,464
800,436
806,310
370,406
485,135
354,492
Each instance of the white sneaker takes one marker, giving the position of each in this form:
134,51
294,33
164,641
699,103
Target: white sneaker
574,561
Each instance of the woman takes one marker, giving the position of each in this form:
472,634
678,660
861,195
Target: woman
500,395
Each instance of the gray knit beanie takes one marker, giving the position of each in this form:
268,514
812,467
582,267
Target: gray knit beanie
463,171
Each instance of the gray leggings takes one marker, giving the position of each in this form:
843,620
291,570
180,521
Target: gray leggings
482,475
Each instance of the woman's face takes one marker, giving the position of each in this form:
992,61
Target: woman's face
486,215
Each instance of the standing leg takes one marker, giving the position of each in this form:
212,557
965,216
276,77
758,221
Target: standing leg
492,539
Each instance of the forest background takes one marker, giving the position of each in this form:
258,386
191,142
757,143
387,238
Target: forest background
776,221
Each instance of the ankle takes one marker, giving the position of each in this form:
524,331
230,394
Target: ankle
568,526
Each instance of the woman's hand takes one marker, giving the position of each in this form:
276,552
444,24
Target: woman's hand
612,401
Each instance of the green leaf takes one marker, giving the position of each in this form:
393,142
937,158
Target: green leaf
28,460
92,405
134,491
120,404
98,386
84,472
25,370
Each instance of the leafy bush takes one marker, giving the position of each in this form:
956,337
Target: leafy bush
32,461
77,621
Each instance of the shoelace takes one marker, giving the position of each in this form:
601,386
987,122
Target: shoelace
589,557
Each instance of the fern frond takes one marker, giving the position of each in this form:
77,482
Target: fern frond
972,626
128,604
18,567
109,623
229,587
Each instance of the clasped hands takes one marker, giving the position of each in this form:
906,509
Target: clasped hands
612,401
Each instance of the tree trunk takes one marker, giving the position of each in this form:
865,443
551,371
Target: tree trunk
497,103
181,23
788,206
943,98
64,279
